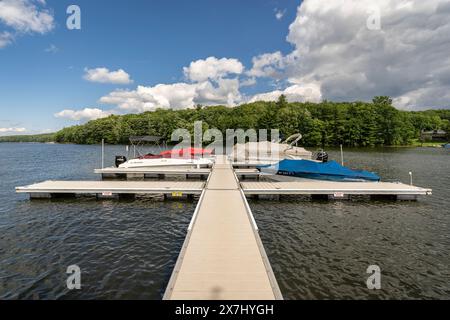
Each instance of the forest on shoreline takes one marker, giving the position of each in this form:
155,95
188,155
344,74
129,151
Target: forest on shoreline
42,138
353,124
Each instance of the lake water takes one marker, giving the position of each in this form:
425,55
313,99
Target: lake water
127,249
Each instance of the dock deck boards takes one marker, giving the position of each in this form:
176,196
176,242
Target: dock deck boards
222,257
331,187
115,187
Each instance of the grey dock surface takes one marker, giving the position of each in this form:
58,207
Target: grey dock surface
114,187
331,188
222,256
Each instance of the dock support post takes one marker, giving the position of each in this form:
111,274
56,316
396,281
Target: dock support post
319,197
62,195
390,197
127,196
103,153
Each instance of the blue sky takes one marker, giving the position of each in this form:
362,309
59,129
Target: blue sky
151,40
134,56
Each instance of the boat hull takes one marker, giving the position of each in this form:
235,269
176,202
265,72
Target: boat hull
166,162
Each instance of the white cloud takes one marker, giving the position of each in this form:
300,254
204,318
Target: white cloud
407,59
51,49
25,16
84,114
12,130
209,86
5,39
279,14
294,93
103,75
267,65
175,96
178,95
224,91
212,68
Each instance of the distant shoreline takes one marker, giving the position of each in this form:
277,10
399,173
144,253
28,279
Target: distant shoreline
413,145
39,138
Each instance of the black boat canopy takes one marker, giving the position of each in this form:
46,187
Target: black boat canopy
135,139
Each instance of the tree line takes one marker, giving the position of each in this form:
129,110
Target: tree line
45,137
353,124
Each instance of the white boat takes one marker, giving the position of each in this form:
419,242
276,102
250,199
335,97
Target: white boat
267,152
177,157
167,162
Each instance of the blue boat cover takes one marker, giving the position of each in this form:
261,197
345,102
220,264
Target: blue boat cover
320,170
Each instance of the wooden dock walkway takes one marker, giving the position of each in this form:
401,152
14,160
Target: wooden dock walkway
222,256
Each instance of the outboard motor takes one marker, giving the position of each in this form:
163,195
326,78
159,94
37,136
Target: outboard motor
322,156
120,160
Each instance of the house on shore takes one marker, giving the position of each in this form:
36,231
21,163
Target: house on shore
434,135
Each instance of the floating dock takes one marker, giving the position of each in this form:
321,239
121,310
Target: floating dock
335,190
48,189
314,188
162,172
222,256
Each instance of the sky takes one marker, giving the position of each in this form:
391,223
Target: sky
134,56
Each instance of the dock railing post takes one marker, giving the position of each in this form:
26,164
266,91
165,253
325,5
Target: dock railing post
103,153
410,178
342,156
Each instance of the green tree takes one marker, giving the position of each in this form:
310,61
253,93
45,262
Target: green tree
282,101
322,124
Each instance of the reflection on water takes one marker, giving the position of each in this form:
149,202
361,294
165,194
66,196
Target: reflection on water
127,249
